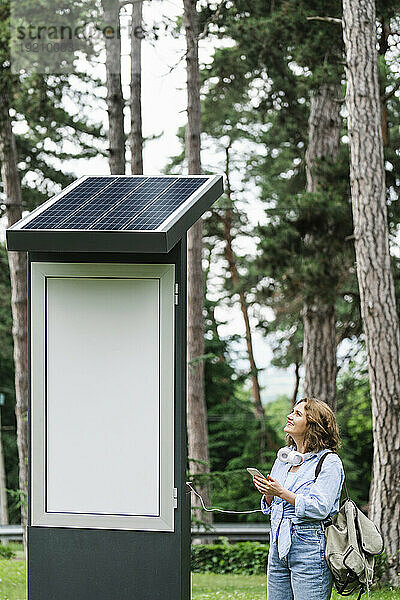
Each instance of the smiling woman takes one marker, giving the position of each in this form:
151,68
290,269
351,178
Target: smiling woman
300,504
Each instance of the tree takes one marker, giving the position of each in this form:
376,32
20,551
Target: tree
18,269
196,405
7,387
375,278
115,100
319,322
136,135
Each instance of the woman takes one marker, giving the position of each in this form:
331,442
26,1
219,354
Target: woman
297,568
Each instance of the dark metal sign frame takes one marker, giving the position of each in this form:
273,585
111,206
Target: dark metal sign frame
88,564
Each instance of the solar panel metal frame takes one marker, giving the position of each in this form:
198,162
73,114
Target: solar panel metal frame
161,239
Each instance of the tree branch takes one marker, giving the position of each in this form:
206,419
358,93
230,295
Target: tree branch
327,19
125,2
391,93
212,20
183,57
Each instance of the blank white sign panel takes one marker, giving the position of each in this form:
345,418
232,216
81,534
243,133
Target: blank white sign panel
103,397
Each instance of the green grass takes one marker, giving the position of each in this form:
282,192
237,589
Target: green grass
13,579
207,586
221,587
204,586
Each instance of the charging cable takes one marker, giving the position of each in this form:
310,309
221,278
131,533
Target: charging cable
236,512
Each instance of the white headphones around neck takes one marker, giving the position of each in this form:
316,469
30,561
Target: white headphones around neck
288,455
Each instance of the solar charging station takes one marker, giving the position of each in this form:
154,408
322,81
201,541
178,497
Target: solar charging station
109,513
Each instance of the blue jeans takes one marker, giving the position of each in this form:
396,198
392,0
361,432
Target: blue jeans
303,574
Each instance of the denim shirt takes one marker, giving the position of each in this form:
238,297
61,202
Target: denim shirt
315,501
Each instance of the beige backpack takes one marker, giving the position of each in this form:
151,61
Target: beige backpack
352,542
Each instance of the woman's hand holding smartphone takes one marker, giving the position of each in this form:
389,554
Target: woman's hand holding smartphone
260,482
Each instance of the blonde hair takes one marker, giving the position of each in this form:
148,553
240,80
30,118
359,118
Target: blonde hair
322,430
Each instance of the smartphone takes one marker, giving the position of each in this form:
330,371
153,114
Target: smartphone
253,472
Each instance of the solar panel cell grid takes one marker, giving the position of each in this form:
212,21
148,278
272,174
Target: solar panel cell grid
57,212
86,216
134,204
166,204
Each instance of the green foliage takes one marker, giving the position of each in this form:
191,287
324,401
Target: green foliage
232,422
233,429
257,90
304,248
276,413
241,558
380,567
355,425
6,551
20,497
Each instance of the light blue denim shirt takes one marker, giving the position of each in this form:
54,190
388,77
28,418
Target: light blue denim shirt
315,501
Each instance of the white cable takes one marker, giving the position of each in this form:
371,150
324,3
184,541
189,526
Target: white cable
241,512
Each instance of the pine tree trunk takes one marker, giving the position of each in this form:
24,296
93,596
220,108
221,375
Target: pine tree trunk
383,48
136,90
231,260
296,384
193,129
319,352
375,278
18,276
115,100
319,347
196,404
3,485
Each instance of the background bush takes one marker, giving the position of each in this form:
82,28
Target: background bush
7,551
248,558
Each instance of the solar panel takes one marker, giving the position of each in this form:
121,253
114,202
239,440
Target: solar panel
117,203
117,213
61,209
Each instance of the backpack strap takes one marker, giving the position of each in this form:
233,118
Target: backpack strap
318,470
328,521
319,465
